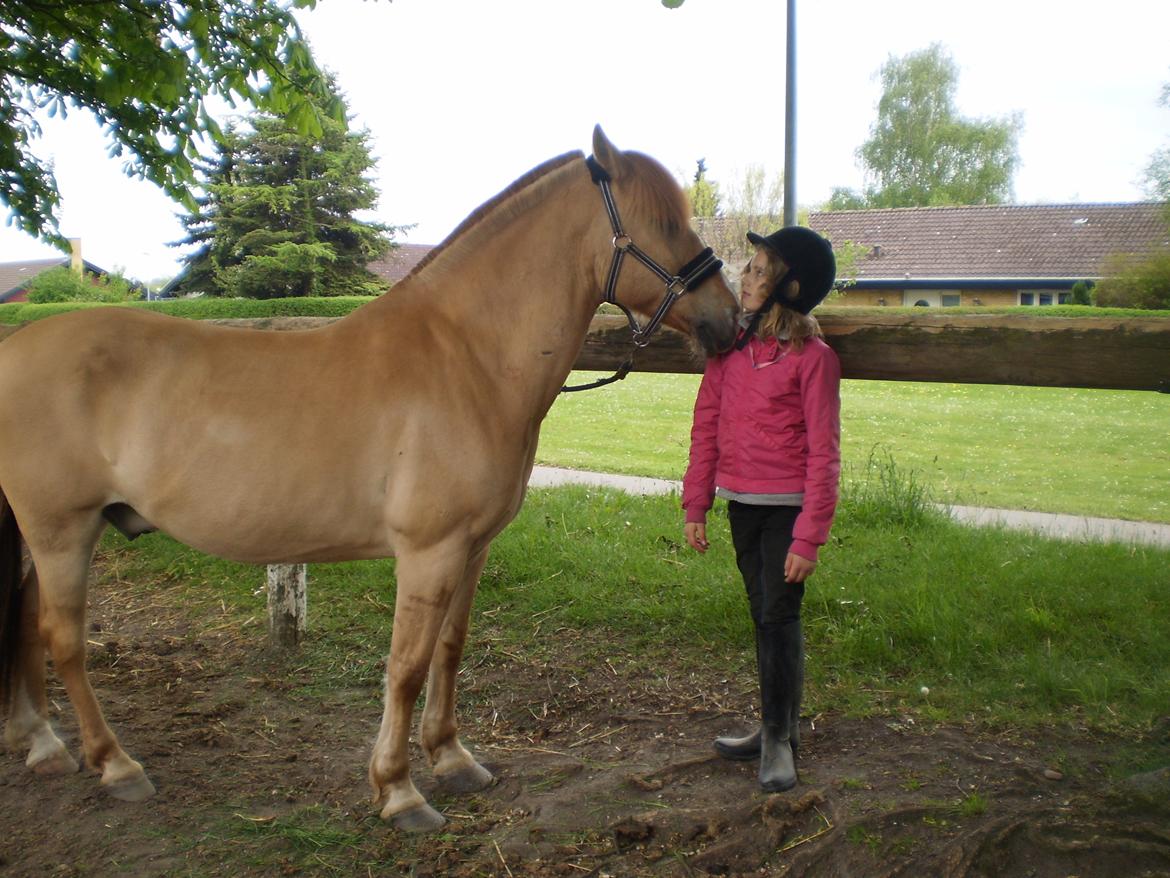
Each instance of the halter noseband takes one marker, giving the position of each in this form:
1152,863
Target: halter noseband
677,285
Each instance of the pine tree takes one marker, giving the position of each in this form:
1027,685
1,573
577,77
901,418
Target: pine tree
277,215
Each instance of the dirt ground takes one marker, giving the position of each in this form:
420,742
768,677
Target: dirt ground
604,768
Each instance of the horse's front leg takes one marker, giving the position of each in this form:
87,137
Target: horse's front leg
427,580
62,574
455,767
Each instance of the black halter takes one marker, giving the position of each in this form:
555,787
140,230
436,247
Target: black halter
677,285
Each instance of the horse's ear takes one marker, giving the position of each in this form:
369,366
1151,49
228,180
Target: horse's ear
607,155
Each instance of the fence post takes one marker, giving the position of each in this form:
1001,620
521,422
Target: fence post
287,603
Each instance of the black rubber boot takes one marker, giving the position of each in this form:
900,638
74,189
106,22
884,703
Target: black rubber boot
746,748
798,694
777,768
780,650
739,749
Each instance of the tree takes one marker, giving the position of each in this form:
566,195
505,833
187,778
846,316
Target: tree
921,153
703,193
145,69
63,284
1081,293
277,218
1157,175
1135,281
752,203
1142,280
845,199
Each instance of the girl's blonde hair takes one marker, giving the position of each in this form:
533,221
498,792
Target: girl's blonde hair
781,322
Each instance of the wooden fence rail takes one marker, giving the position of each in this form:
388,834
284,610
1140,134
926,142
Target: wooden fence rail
1090,352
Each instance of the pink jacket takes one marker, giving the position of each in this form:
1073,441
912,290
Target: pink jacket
767,421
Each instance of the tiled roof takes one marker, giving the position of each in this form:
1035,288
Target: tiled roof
995,241
14,275
396,264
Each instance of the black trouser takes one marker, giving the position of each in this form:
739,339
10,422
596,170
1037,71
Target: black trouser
762,536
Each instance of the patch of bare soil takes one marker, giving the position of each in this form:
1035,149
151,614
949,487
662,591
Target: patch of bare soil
604,768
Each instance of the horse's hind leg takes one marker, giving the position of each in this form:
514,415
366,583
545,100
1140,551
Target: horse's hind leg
62,565
455,767
28,722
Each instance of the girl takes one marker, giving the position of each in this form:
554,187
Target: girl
766,437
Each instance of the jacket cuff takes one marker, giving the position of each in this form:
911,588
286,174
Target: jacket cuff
696,515
804,549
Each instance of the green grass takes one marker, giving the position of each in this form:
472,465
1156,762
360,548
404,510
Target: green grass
1001,627
1084,452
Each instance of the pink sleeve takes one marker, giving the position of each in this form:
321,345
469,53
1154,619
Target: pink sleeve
821,399
699,481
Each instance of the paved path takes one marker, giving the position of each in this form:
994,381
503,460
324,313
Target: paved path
1070,527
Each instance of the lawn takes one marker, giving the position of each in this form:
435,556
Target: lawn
1001,627
1085,452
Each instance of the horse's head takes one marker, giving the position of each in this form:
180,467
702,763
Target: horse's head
683,286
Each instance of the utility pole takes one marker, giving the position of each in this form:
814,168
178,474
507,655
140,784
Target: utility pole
790,119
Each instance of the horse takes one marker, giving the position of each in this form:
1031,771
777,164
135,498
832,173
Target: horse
406,429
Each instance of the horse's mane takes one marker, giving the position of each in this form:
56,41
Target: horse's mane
489,206
657,194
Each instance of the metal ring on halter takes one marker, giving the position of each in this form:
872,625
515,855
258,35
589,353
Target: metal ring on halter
622,242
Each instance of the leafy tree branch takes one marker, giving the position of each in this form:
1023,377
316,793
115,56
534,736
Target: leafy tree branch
146,70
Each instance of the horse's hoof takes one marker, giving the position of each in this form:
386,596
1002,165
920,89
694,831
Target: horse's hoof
131,789
54,763
469,779
420,818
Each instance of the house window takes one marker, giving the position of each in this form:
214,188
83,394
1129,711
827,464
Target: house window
1063,298
1036,298
924,298
950,300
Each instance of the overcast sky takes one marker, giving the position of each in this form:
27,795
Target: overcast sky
463,96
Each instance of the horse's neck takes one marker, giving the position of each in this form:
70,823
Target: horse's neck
520,293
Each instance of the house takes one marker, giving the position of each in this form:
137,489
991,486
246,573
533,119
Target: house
15,276
1002,254
399,261
1006,254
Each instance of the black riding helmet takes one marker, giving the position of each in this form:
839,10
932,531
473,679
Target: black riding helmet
810,260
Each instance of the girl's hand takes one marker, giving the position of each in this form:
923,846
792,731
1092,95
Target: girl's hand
696,532
797,568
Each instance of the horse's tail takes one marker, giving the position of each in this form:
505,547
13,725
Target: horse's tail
11,599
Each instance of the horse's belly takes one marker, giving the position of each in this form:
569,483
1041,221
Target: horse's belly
266,545
260,524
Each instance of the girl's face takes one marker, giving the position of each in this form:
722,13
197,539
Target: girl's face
758,279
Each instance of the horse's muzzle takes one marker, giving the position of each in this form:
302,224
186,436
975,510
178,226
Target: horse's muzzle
715,336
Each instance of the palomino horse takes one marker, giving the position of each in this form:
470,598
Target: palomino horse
407,429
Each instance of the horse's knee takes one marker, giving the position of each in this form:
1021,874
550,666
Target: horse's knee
65,644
